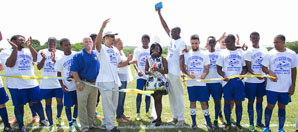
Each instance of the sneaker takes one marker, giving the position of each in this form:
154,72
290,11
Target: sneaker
114,130
239,128
209,127
52,128
76,124
174,120
215,124
260,125
221,121
227,127
103,126
72,129
60,121
23,129
97,115
125,117
280,130
148,115
180,123
194,126
44,123
14,120
121,120
138,118
251,128
35,119
266,129
8,129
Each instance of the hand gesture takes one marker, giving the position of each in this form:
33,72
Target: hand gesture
53,56
104,24
237,39
291,90
14,46
140,74
43,55
191,75
29,42
272,74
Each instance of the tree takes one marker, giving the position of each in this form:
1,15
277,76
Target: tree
292,45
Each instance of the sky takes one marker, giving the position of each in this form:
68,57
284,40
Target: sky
76,19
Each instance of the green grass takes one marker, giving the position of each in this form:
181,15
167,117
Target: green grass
130,110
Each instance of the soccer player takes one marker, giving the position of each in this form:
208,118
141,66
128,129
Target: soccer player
196,66
62,66
231,63
139,57
46,60
20,62
255,87
281,63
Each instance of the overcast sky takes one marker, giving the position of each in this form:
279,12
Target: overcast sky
76,19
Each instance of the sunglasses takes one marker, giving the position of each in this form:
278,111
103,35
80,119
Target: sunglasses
111,36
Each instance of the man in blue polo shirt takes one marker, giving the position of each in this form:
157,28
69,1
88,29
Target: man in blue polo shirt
85,67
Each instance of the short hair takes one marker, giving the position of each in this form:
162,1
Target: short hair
281,37
15,37
146,36
153,46
52,39
231,36
194,37
63,40
177,28
254,33
93,36
211,37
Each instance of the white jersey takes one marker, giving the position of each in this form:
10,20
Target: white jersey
63,65
108,59
174,51
231,62
255,56
280,63
195,62
48,69
213,56
124,72
23,67
140,54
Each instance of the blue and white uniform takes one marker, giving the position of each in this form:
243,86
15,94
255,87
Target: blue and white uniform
215,87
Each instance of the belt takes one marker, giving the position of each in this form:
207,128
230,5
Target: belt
90,81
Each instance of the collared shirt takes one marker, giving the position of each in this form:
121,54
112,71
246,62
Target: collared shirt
87,65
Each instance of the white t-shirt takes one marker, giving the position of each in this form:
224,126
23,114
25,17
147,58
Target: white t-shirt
23,67
195,62
174,51
48,69
280,63
124,72
231,62
1,83
255,56
63,65
213,56
140,54
108,59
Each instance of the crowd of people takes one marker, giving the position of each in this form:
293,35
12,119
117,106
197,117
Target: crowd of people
103,63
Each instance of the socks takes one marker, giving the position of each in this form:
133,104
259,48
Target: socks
238,114
147,101
281,118
206,115
49,114
75,112
4,116
268,114
38,108
68,115
193,115
259,109
139,100
19,114
32,111
59,110
217,110
250,110
227,111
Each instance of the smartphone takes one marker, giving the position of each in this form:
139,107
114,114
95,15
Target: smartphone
158,6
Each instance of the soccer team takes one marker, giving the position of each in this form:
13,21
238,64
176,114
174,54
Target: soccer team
106,66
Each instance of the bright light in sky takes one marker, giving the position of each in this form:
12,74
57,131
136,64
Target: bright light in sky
76,19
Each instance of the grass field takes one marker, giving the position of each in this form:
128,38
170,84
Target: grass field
130,110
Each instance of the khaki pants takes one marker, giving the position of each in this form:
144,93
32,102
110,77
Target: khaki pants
176,96
86,107
109,100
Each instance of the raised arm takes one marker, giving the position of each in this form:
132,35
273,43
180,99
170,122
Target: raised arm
163,23
126,62
0,36
99,36
41,63
221,38
11,60
32,50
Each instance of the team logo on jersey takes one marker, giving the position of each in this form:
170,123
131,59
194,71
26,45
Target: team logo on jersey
24,63
283,65
234,62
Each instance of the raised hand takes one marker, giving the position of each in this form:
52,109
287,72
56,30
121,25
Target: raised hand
104,24
237,39
29,42
53,56
43,55
0,36
14,46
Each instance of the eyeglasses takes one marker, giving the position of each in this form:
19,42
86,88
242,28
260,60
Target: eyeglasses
111,36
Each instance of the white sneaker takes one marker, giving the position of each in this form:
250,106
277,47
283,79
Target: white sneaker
44,123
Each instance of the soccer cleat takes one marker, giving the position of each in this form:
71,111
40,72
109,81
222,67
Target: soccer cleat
266,129
14,120
215,124
221,121
210,127
52,128
227,127
60,121
23,129
97,115
76,124
239,128
260,125
35,119
138,118
194,126
280,130
8,129
72,129
251,128
44,123
148,115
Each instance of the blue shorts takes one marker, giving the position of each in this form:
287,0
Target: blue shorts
50,93
23,96
215,89
253,90
234,89
70,98
141,83
3,96
282,98
198,93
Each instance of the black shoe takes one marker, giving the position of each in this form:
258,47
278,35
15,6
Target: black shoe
215,124
239,128
260,125
194,126
210,127
8,129
23,129
157,122
115,130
